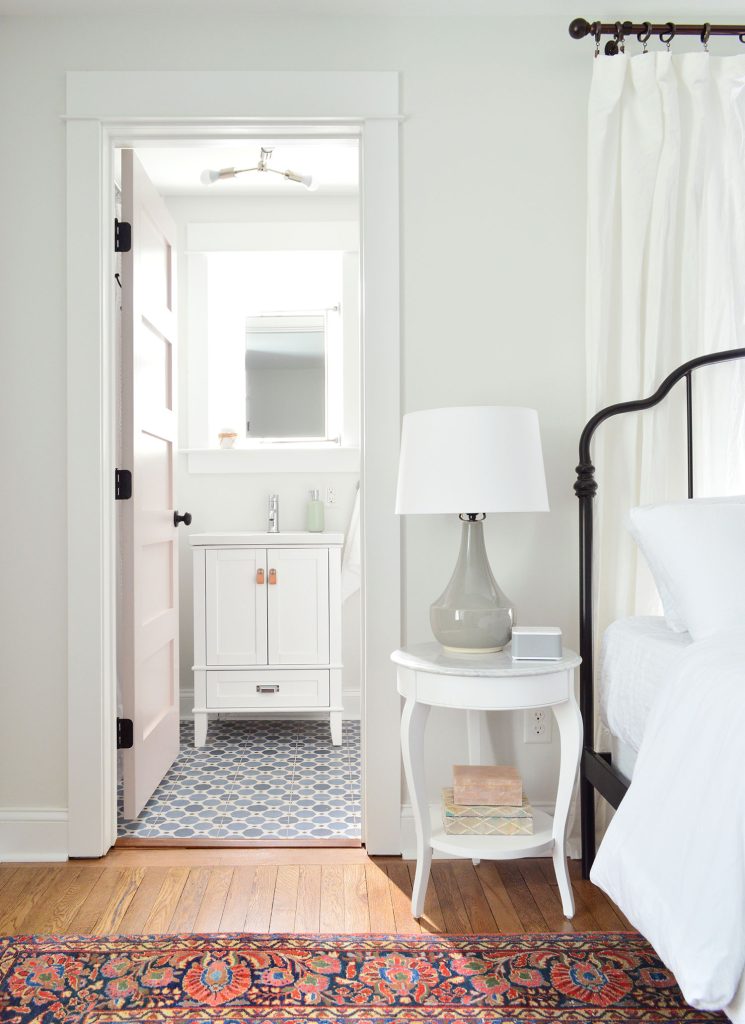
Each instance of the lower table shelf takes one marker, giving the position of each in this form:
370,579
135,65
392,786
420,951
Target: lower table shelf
498,847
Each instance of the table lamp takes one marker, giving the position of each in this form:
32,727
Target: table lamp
486,458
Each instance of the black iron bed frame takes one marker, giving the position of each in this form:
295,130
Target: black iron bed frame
597,771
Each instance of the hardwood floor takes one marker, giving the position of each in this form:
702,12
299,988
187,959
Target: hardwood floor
300,890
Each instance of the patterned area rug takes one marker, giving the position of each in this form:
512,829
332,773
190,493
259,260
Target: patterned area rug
279,979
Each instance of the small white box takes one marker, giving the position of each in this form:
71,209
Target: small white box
536,643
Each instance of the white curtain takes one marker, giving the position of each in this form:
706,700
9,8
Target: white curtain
665,283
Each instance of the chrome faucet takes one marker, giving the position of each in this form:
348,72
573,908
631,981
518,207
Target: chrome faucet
273,514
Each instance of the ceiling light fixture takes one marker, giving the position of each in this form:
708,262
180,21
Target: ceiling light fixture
209,177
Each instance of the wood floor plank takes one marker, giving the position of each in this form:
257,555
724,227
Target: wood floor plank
259,913
308,910
332,898
379,899
546,897
37,920
26,887
400,879
121,897
138,911
583,920
56,914
496,895
604,912
526,908
476,906
161,914
213,901
432,920
451,902
236,903
98,899
285,898
227,857
356,910
190,899
7,870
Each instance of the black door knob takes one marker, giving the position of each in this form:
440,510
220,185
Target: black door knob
185,519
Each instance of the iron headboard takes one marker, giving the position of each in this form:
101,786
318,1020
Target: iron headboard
596,770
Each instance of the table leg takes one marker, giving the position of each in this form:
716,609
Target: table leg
413,721
473,726
569,721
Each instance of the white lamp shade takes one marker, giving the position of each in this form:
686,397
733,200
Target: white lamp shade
481,458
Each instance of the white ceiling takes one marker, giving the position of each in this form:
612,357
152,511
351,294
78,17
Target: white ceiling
176,170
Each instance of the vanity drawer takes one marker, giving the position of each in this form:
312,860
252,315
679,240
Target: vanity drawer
273,688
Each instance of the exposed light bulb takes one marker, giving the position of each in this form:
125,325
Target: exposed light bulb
301,179
209,177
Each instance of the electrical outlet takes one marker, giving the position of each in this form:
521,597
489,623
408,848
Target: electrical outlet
537,725
330,495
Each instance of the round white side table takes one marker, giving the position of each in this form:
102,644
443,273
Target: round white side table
430,677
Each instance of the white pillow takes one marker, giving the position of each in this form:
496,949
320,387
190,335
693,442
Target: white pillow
696,552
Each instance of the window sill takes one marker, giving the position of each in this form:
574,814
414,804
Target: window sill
280,459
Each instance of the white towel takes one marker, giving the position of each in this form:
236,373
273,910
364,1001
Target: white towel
351,562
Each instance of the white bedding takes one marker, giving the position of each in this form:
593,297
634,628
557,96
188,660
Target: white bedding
638,657
673,858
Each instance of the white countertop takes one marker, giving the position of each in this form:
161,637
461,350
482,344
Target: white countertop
294,537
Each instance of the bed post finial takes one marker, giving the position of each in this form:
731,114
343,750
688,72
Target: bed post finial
586,486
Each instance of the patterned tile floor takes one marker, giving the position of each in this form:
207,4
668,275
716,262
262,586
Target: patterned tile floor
257,780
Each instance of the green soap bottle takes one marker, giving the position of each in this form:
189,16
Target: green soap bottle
315,512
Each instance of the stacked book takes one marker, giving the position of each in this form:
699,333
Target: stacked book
486,800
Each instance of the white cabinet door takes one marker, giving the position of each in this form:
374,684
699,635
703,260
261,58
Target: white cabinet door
236,606
298,597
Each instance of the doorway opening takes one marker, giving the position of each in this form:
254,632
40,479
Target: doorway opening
258,702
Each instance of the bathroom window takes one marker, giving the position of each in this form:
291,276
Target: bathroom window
280,363
293,377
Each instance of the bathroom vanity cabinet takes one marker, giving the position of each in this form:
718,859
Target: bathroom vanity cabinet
267,625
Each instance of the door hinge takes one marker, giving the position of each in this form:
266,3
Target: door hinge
122,484
122,235
125,734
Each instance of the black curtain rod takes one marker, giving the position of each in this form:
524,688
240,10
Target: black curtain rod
580,28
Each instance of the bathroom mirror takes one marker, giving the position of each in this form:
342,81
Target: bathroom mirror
286,376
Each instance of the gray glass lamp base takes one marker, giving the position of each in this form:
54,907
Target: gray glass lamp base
472,615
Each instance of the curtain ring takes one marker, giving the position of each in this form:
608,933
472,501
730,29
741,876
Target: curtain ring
705,36
620,38
595,30
644,35
668,37
741,37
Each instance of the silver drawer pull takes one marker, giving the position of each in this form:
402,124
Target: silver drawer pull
267,688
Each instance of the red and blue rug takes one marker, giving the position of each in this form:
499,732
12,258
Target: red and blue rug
365,979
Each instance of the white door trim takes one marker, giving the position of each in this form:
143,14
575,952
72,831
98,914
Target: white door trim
105,109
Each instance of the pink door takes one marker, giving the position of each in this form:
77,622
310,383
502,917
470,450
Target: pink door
148,549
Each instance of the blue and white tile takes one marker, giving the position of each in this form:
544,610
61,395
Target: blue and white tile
258,780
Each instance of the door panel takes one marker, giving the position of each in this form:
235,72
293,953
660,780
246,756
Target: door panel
236,606
148,595
298,606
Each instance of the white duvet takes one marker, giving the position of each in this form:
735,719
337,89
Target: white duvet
673,858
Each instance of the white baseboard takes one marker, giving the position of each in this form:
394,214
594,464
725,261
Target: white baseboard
351,699
33,834
408,833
